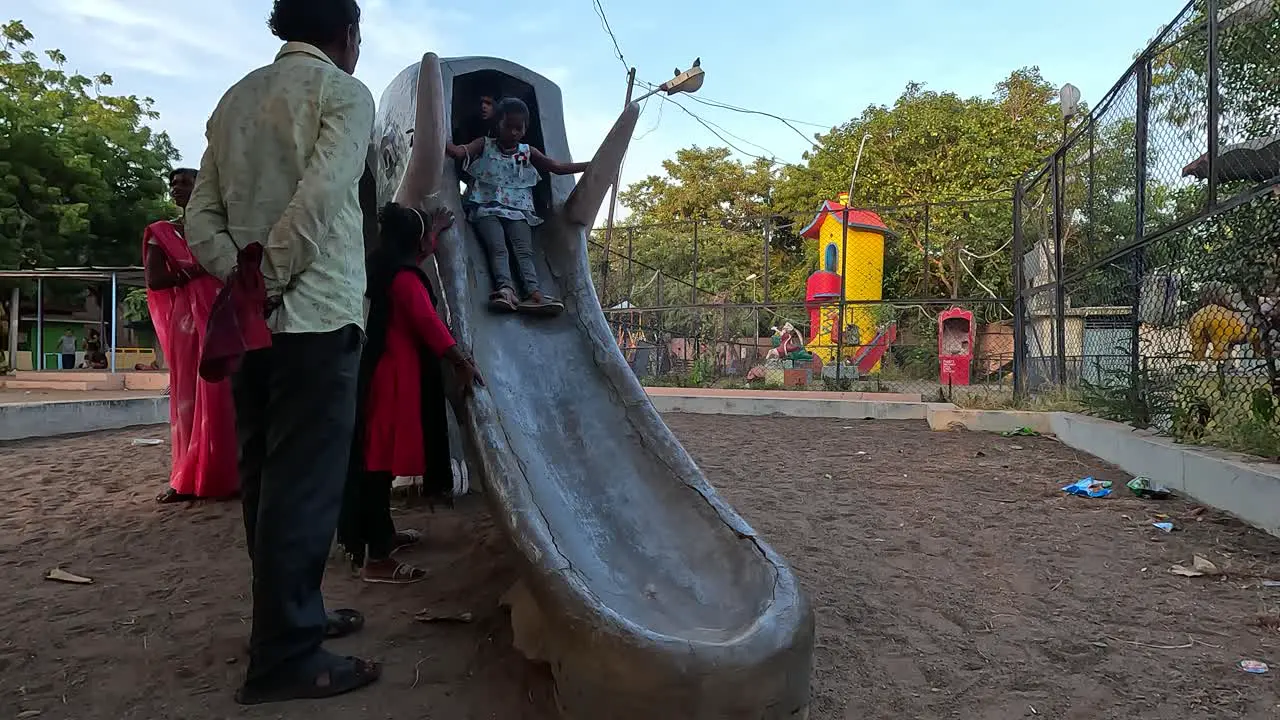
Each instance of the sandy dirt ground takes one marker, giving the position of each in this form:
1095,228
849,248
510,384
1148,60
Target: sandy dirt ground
951,579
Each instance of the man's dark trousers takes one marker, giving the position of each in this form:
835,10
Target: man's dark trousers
295,412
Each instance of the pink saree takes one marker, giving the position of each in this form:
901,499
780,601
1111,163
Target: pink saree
201,414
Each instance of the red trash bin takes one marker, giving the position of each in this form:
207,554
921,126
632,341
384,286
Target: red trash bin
955,346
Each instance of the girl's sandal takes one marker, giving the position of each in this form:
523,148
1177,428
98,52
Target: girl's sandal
404,539
503,300
402,575
549,307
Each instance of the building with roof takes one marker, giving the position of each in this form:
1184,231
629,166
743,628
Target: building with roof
851,264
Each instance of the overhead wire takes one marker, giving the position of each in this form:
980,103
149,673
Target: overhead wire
697,118
656,123
604,22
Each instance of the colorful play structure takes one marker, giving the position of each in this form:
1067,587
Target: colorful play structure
851,251
857,256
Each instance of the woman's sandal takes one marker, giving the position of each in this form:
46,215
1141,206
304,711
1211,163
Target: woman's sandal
343,622
170,496
405,538
549,307
402,575
339,677
503,300
338,624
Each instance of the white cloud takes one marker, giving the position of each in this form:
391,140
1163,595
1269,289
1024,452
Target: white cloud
185,55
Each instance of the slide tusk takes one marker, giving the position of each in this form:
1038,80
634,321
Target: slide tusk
425,168
584,202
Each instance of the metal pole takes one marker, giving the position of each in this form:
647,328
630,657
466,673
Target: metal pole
856,164
114,325
39,364
844,266
1019,302
957,243
694,285
755,349
697,315
925,244
1060,292
14,325
658,340
1139,227
604,277
613,192
631,266
1093,133
768,237
1215,101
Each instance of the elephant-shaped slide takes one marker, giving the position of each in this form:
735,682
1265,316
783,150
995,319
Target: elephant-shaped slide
644,591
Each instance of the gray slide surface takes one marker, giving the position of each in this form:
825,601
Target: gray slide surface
645,592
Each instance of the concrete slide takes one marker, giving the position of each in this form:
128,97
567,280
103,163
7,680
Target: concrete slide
643,590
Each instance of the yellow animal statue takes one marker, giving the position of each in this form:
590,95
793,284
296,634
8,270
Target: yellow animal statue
1214,325
1217,324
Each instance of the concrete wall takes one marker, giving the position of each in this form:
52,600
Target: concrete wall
49,419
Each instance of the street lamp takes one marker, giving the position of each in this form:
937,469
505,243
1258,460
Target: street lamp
687,81
1069,104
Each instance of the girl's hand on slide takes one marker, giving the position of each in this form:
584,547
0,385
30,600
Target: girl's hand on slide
468,373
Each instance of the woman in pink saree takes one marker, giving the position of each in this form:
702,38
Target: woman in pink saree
180,295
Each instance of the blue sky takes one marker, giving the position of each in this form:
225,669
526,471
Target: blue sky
808,61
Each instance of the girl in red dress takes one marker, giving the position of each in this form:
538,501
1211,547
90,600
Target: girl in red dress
401,426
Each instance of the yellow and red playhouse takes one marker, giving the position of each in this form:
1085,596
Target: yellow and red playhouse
862,270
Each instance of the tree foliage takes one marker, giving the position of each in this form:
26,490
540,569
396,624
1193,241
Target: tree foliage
81,173
1248,69
927,147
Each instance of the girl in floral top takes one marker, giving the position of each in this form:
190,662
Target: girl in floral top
499,204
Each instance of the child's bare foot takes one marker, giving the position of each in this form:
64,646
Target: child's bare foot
539,304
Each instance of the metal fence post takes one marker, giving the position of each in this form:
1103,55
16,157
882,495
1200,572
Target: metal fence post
925,245
697,313
631,266
1215,101
39,359
1092,218
604,277
1140,225
768,239
1019,301
1060,291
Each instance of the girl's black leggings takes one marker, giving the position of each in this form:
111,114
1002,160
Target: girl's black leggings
373,530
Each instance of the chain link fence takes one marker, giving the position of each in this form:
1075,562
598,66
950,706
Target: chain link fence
925,295
1149,244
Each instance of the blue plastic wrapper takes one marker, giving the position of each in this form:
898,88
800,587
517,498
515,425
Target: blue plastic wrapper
1089,487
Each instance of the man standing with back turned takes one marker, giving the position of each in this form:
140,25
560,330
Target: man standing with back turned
287,147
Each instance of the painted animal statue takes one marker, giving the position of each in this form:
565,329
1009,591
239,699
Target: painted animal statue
1223,322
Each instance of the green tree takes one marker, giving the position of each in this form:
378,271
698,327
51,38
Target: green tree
1248,67
81,173
932,147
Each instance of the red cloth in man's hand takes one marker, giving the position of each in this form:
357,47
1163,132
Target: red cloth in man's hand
238,320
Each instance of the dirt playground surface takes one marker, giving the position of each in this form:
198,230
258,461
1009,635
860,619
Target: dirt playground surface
951,579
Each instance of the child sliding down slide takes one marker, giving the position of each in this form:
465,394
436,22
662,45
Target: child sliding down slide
499,204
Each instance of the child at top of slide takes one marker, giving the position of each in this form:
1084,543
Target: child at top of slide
499,204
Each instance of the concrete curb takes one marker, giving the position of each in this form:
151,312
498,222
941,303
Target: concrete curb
946,417
1238,484
799,407
68,417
